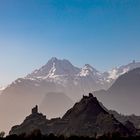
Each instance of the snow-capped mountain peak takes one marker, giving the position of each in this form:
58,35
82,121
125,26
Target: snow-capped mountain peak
63,73
55,67
2,88
53,70
118,71
87,70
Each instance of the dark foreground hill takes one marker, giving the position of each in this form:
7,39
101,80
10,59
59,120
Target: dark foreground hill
85,118
123,118
36,135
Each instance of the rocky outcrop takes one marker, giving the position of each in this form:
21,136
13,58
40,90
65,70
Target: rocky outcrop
34,121
124,118
130,126
85,118
88,118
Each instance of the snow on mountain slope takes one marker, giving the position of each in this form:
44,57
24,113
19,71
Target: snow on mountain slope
71,79
57,71
55,67
113,74
2,88
89,79
88,70
63,68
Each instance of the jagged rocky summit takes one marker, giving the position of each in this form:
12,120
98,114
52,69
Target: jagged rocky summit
85,118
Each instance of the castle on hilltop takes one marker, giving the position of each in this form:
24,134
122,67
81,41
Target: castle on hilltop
35,110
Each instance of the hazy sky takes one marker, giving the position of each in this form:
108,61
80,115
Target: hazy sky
104,33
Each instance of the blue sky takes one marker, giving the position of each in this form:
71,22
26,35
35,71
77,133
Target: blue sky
104,33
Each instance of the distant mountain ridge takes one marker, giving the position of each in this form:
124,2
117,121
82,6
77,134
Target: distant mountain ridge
55,104
67,77
123,118
123,96
118,71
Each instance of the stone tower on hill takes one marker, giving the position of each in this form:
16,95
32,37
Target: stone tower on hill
35,110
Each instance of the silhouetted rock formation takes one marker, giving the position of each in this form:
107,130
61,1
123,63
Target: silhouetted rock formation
34,121
35,110
135,120
123,118
85,118
130,126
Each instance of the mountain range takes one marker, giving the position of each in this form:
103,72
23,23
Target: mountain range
64,81
123,96
85,118
62,76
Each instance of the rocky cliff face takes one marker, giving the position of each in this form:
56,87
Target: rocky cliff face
85,118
